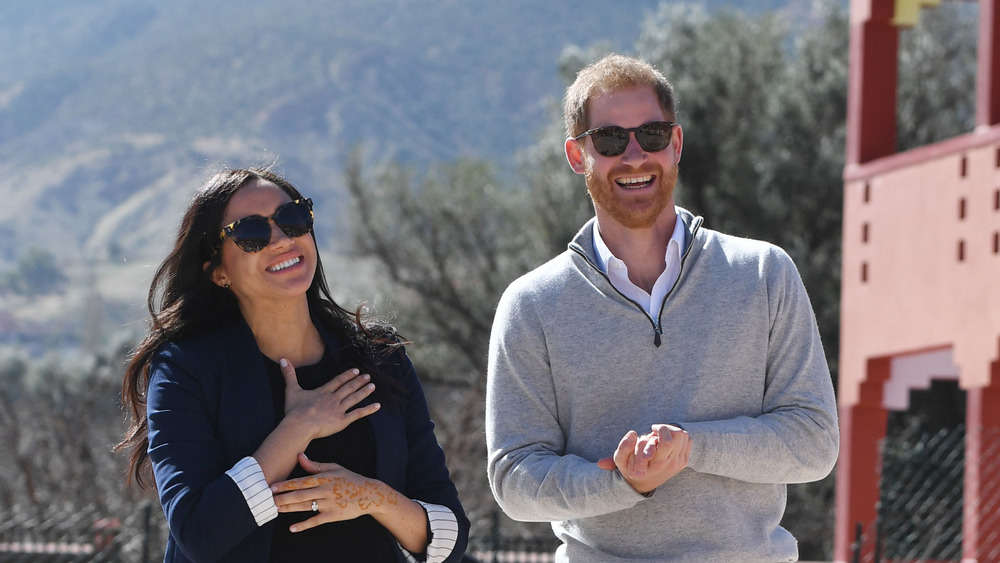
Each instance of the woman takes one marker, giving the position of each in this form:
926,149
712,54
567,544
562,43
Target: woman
277,425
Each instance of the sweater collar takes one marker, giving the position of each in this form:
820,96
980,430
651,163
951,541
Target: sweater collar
583,241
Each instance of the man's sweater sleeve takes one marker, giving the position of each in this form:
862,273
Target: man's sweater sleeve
531,477
796,439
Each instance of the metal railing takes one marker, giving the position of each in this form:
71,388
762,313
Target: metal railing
921,505
82,534
69,534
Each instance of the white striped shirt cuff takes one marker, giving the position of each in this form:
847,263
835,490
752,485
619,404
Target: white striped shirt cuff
250,479
444,533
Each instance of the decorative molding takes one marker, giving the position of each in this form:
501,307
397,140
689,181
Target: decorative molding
915,371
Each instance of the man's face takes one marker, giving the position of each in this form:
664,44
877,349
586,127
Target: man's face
634,188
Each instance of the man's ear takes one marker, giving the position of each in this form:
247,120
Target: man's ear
678,141
575,156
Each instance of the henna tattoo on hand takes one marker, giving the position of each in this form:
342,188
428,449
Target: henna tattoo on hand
370,493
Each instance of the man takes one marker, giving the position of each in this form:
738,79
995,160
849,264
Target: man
653,388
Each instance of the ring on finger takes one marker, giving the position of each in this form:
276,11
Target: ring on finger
315,507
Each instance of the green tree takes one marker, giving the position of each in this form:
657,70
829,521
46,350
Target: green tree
36,274
937,81
447,245
58,418
764,114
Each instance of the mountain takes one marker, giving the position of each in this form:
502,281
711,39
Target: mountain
113,111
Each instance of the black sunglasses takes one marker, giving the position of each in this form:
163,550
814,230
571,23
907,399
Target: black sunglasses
613,140
253,233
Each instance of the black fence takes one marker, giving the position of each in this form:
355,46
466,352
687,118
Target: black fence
76,535
73,534
922,500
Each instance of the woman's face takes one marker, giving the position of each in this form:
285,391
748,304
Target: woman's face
283,270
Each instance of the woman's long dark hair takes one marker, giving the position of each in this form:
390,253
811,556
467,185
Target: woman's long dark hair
183,301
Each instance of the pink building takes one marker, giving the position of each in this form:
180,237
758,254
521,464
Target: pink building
921,274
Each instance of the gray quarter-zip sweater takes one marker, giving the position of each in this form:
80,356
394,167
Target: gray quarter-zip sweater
734,358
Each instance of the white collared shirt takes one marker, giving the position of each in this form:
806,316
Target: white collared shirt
617,271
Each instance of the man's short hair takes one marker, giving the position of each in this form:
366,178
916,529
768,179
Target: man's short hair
613,72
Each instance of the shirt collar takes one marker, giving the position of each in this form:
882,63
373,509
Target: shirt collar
673,252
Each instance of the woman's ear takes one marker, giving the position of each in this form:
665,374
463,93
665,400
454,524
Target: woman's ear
218,274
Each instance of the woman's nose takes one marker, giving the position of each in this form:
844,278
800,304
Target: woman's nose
278,237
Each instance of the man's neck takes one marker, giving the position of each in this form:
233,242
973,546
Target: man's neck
642,250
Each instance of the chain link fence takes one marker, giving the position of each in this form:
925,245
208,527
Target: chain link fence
921,506
498,548
922,495
69,534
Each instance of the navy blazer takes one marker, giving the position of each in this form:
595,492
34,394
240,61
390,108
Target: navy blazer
209,405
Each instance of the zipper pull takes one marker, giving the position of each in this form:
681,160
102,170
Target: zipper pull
656,337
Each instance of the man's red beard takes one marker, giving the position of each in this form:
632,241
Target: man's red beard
634,212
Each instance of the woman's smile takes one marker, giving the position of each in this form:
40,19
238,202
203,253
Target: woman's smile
284,265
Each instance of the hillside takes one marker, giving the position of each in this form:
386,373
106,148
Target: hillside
112,111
